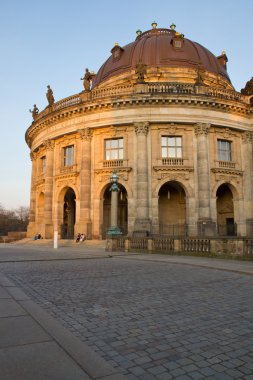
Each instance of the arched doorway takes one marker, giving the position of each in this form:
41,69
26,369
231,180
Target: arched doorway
225,211
172,209
122,210
69,214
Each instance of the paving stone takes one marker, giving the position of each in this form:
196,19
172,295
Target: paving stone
196,375
131,311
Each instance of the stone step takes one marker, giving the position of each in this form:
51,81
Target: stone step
62,243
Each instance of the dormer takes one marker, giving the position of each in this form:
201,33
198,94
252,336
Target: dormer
223,59
117,52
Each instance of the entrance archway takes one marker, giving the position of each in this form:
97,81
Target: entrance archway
225,211
122,210
40,208
172,209
69,214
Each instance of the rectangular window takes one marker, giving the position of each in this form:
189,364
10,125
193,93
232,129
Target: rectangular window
171,146
114,149
43,164
68,155
224,150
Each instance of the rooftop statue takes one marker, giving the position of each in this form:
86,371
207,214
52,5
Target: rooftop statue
140,70
86,80
34,111
50,96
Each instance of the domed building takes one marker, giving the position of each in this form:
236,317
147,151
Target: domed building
161,112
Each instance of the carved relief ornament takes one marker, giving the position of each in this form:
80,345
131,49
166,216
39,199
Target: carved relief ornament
49,144
202,128
247,137
86,134
141,128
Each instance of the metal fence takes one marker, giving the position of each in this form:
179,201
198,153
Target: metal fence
173,229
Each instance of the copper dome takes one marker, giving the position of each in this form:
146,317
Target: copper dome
155,48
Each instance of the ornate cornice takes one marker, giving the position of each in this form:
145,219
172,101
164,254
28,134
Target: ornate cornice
227,171
141,128
66,176
109,170
173,168
202,128
85,134
223,105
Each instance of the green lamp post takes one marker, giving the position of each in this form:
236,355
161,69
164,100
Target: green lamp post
114,229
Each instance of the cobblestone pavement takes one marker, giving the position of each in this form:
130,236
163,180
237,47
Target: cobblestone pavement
151,320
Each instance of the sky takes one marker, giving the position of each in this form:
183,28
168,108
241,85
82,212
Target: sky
51,42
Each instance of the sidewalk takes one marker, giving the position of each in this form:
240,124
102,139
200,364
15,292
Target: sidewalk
33,345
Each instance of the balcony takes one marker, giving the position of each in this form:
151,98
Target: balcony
172,161
68,169
225,164
114,163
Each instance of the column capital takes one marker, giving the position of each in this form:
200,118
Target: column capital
247,137
202,128
141,128
49,144
85,134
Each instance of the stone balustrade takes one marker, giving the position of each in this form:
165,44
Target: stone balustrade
112,91
227,94
174,88
173,161
67,169
226,164
113,163
218,246
153,88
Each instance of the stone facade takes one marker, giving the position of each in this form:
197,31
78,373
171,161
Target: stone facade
182,151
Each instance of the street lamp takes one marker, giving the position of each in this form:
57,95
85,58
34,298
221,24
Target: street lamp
114,181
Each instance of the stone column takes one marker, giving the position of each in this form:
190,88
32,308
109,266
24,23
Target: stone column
48,219
142,221
247,153
31,226
84,223
114,208
206,226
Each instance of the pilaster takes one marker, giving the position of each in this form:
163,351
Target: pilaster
142,221
206,226
31,226
247,157
49,146
84,223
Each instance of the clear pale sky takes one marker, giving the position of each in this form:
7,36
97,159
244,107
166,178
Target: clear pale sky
52,42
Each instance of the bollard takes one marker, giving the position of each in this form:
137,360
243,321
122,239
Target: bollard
55,239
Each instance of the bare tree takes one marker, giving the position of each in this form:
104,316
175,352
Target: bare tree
13,220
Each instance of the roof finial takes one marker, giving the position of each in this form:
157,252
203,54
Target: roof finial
154,25
173,26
